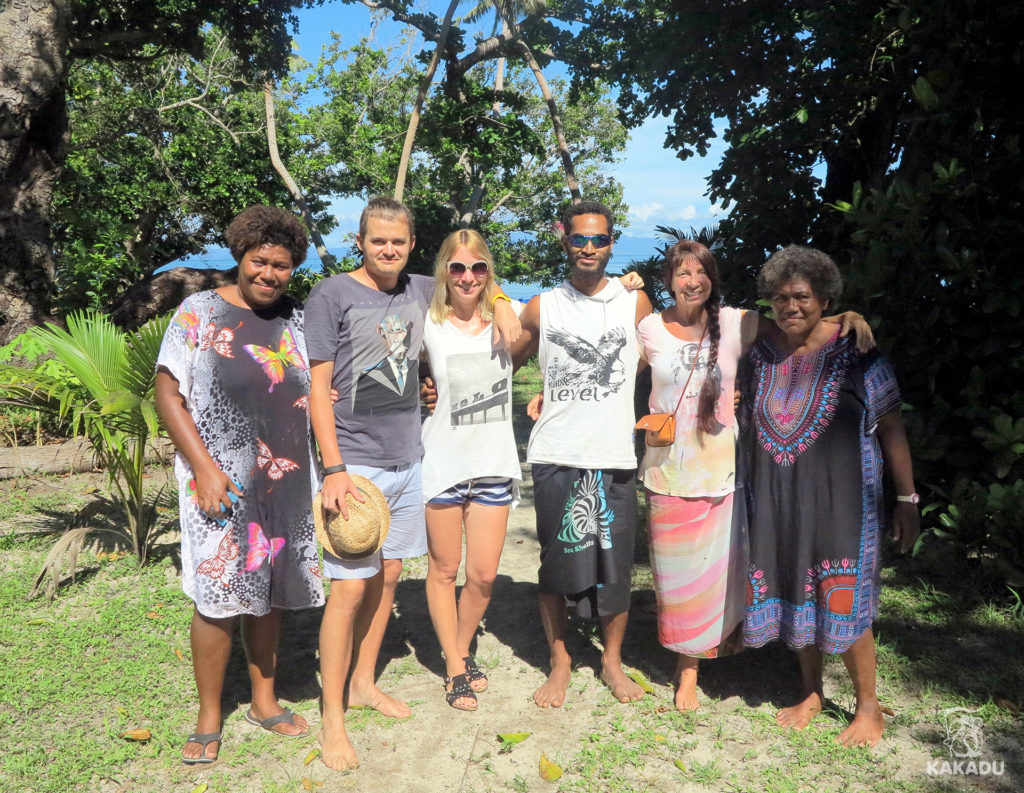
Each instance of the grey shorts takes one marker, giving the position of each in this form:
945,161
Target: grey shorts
407,537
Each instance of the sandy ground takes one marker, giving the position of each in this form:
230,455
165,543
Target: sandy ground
442,749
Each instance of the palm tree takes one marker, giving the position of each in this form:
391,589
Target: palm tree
105,392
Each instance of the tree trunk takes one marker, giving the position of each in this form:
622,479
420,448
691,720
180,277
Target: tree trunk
275,159
421,95
33,143
556,123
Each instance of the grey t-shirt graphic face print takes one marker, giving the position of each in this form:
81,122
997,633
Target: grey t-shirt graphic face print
374,339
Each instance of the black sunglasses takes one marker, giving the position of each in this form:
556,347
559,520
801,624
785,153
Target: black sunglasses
581,240
458,268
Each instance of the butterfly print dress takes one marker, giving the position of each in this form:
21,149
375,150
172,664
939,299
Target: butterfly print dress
816,481
245,380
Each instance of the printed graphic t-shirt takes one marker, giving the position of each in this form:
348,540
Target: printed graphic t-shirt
470,432
374,339
588,354
694,465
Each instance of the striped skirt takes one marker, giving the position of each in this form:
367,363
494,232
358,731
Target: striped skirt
699,560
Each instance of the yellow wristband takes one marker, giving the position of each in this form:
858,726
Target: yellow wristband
497,297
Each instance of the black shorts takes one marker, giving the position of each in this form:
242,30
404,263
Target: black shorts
586,524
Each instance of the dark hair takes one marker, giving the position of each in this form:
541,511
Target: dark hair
586,208
386,208
810,264
261,225
712,387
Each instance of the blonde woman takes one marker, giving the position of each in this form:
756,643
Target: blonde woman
471,471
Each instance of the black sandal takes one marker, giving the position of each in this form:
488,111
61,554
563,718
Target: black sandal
460,689
475,674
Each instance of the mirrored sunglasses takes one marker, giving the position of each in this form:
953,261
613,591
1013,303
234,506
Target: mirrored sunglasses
458,268
598,240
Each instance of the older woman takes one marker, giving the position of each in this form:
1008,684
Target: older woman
471,471
697,521
826,418
232,388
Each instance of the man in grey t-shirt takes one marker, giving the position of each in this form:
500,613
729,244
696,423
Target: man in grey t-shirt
364,330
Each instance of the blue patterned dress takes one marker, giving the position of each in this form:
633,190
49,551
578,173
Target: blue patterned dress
816,490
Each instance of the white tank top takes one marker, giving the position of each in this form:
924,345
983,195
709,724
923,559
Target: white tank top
470,433
588,356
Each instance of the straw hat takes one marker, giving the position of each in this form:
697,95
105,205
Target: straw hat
363,533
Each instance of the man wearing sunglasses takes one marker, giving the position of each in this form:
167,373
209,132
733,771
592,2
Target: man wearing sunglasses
581,448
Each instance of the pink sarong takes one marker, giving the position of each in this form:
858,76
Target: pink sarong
698,558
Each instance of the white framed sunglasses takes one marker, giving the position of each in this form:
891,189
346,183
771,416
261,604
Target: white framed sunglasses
477,268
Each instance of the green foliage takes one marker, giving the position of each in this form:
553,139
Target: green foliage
21,425
108,399
164,152
483,156
880,132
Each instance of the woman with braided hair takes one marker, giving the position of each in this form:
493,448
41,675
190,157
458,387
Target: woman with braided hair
697,521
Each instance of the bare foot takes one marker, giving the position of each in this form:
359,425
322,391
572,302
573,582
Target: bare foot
336,750
686,693
385,704
865,729
552,693
622,688
798,716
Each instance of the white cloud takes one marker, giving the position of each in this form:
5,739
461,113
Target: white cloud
688,212
645,212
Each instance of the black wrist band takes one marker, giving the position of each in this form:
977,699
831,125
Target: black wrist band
335,469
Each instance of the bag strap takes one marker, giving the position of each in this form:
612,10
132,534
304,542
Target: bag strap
693,366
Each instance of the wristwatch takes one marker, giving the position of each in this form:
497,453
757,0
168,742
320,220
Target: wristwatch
335,469
913,498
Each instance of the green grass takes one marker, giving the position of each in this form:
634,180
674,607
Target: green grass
104,658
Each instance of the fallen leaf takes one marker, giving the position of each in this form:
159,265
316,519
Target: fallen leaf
39,621
659,737
641,680
201,788
309,784
152,615
313,754
138,734
549,771
887,710
102,555
679,764
122,711
1006,704
510,739
179,653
